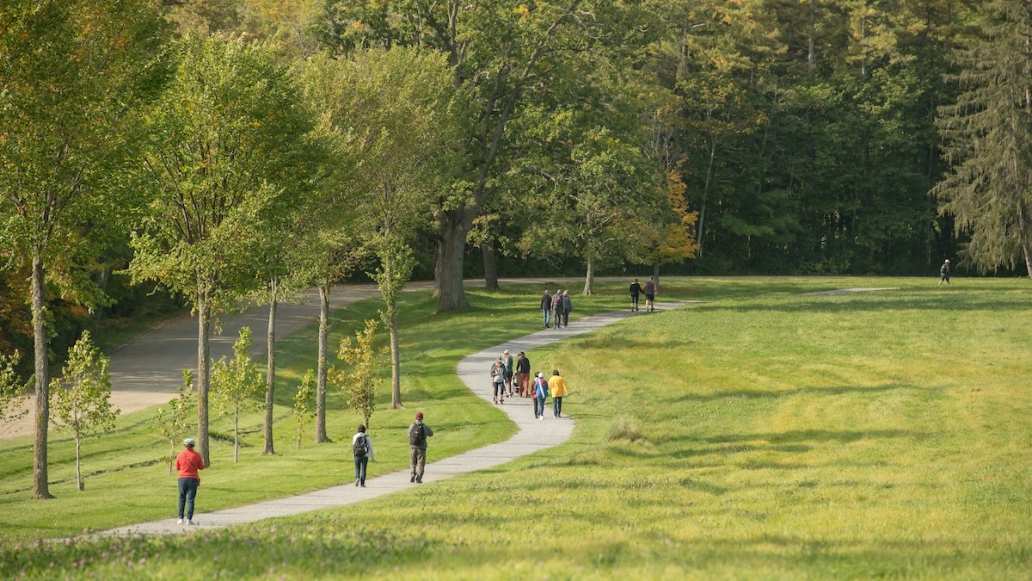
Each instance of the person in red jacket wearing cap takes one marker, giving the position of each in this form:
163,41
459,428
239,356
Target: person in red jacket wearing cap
188,463
418,432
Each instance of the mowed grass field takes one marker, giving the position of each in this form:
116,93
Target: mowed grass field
763,432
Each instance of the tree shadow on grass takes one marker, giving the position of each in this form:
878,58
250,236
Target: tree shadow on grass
888,300
811,390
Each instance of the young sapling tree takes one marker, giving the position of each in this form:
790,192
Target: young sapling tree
359,386
236,383
302,405
175,425
82,398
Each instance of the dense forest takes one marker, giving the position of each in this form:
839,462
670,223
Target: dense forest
712,137
162,154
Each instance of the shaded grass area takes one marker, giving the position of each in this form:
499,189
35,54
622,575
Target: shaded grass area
767,435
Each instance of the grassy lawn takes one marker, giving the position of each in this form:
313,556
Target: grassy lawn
764,433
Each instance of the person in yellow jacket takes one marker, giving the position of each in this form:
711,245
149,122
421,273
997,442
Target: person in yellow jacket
557,387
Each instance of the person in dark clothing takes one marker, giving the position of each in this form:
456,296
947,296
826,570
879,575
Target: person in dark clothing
546,307
567,307
418,432
650,295
635,291
523,375
944,272
557,309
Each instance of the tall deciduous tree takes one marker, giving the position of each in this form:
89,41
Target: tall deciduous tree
228,137
397,107
988,134
82,397
72,75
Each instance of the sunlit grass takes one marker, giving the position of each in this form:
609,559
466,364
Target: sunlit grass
762,434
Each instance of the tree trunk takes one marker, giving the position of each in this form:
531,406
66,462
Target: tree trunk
236,433
700,225
270,374
392,317
589,278
490,265
451,248
320,390
203,376
811,33
78,463
1028,260
40,487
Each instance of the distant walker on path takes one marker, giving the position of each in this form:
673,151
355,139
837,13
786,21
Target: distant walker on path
362,450
557,387
418,432
635,291
650,295
188,463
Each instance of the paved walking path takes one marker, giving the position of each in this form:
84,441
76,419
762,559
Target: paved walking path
147,370
533,436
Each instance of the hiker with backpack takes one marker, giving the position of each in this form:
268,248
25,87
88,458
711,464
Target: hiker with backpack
362,450
540,393
418,432
523,375
557,308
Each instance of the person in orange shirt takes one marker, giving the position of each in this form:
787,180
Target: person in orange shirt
188,463
557,387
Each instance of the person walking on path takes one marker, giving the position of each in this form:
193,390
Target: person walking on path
650,295
557,387
523,375
546,307
944,272
498,380
188,463
362,449
567,307
507,360
557,308
418,432
540,393
635,291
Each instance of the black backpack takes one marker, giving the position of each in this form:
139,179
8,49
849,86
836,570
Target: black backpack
418,436
360,447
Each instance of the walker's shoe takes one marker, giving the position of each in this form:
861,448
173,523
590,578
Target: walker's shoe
419,480
358,481
189,522
413,479
363,486
496,401
179,522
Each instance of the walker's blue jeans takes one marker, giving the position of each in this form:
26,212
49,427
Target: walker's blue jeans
539,407
548,317
187,494
360,468
557,406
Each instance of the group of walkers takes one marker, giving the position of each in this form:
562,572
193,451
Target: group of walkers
649,290
507,382
362,450
556,308
189,462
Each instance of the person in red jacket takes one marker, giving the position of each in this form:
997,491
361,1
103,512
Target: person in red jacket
188,463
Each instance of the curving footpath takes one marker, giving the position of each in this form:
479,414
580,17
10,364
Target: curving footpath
533,436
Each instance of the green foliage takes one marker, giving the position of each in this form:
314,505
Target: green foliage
176,424
303,405
988,133
81,398
236,383
359,385
13,389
